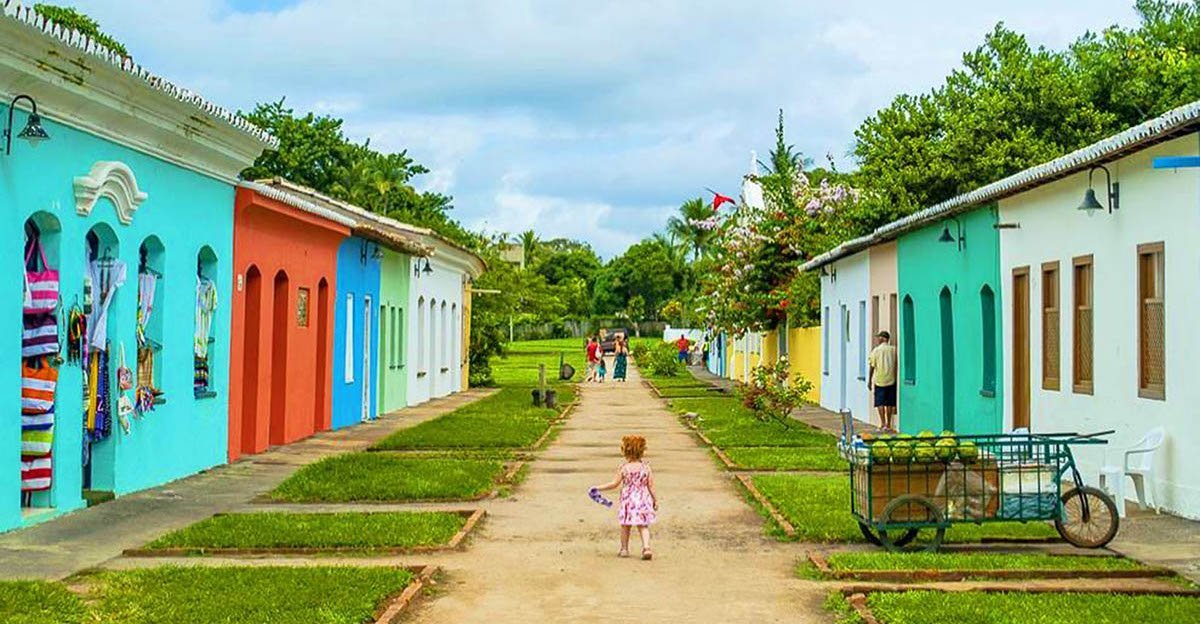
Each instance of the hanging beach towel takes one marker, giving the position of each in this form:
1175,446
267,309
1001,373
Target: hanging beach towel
35,474
38,382
106,277
41,287
39,335
147,284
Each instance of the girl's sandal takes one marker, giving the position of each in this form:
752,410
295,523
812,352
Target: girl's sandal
647,555
623,553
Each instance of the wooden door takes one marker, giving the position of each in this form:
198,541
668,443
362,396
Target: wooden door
1020,348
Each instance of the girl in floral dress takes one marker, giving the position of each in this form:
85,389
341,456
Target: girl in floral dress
638,502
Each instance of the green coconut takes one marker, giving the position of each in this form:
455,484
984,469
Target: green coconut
881,452
923,452
902,451
945,449
967,451
926,435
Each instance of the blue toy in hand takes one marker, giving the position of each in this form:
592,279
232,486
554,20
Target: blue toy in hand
594,494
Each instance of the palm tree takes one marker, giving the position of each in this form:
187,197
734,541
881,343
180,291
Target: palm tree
529,242
684,227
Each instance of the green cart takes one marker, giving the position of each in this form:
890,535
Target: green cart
904,487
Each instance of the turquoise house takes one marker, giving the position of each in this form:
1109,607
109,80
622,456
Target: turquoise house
134,209
950,334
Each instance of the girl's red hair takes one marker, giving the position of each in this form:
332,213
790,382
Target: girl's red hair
633,447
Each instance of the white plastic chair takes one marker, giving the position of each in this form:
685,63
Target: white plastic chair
1138,466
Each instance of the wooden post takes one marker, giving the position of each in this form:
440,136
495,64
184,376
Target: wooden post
542,376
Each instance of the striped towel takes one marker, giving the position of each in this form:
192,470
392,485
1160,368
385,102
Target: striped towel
36,442
36,474
40,335
37,388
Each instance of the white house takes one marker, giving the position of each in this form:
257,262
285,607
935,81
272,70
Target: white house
439,296
1098,305
846,335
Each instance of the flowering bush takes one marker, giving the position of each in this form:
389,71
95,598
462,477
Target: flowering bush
752,282
774,392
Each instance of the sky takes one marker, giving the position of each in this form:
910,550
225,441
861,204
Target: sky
589,120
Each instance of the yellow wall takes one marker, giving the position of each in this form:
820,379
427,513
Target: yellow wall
804,356
465,340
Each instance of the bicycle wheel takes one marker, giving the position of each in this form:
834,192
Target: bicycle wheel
869,533
913,508
1098,528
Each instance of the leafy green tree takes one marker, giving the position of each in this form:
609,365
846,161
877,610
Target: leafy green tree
693,226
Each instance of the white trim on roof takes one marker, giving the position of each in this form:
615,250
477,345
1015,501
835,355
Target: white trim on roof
14,10
296,201
1153,131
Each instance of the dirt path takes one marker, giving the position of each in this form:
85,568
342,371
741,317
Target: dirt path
549,555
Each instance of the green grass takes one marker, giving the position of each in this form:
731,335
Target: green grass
245,595
386,477
519,365
818,506
38,602
786,458
690,392
977,561
678,382
506,419
729,423
365,531
925,607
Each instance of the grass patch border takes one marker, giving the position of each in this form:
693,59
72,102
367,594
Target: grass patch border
393,608
776,516
473,516
817,558
856,595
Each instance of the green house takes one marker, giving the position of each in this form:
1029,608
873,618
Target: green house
950,330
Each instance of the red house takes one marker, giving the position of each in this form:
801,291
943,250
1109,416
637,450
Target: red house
285,261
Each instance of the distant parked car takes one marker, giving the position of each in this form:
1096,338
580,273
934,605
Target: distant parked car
608,339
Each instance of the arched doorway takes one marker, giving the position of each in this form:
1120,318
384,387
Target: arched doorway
279,359
250,359
322,366
946,304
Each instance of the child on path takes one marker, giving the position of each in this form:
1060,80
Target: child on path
638,502
602,370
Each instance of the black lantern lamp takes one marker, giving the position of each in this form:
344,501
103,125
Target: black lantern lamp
33,132
418,269
1090,204
947,237
428,269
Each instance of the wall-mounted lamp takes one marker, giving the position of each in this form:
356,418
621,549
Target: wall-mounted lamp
1090,205
947,237
33,133
418,269
369,250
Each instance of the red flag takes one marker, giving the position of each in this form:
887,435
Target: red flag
719,200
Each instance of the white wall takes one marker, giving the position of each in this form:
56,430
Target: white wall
847,285
671,334
436,332
1155,205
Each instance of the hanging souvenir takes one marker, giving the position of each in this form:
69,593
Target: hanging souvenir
36,474
41,287
76,335
39,335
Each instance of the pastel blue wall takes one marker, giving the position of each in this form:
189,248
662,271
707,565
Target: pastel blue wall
357,277
927,267
186,211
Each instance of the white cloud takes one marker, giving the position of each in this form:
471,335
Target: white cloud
610,112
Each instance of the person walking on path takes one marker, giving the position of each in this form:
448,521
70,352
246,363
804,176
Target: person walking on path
593,359
639,502
684,345
620,360
882,379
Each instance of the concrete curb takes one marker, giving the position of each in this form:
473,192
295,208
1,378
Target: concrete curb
1166,588
394,608
473,517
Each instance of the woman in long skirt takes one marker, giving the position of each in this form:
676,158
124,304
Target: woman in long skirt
622,360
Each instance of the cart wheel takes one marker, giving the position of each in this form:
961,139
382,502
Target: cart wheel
912,508
869,533
1098,528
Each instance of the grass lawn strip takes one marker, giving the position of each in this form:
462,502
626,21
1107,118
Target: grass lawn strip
924,567
506,419
39,602
387,477
250,595
932,607
273,532
818,506
786,458
728,423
